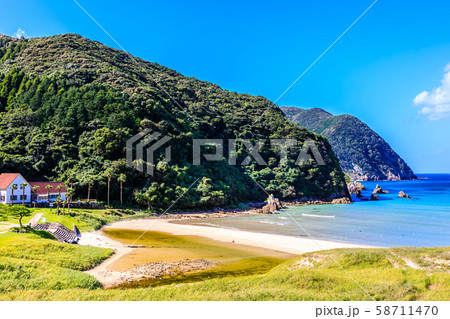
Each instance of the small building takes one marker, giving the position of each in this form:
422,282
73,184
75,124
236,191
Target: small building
8,194
41,194
12,191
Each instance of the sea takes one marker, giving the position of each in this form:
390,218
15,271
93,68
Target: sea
422,221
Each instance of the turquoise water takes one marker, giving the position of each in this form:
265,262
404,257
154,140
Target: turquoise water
423,220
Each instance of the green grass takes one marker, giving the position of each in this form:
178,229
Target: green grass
434,258
27,246
33,268
85,219
28,262
314,276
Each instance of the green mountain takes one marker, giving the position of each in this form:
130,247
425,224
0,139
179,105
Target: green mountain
363,154
68,105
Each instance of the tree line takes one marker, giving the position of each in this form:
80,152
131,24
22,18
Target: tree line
71,121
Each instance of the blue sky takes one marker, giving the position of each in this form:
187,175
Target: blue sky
398,50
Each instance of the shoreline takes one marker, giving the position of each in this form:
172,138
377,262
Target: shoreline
284,243
275,242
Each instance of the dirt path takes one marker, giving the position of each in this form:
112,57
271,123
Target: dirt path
35,219
5,226
408,262
102,273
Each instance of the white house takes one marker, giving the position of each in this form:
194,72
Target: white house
18,194
10,195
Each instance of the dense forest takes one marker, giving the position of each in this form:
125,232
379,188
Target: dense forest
68,105
363,154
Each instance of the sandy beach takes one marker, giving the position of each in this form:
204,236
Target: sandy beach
109,277
288,244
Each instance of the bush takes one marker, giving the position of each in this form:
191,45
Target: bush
126,211
113,213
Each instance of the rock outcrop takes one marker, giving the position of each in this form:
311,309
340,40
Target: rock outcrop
343,200
273,204
152,271
379,190
402,194
355,187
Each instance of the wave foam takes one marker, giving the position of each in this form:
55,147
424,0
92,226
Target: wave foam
320,216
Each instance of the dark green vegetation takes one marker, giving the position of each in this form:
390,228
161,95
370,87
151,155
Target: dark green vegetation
363,154
68,105
384,273
28,262
15,212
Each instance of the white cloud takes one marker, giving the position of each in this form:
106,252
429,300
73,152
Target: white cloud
20,33
436,104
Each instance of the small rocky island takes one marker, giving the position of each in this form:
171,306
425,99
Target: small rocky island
402,194
379,190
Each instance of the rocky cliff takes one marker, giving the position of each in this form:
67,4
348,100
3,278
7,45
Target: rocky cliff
363,154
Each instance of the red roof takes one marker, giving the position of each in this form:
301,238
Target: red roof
43,191
6,179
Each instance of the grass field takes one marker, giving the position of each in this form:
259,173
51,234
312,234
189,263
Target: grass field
85,219
32,268
29,262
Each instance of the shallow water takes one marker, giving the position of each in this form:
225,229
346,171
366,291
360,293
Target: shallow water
423,220
230,259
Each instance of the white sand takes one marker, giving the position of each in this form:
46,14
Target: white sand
288,244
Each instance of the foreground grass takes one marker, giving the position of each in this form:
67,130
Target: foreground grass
386,274
29,262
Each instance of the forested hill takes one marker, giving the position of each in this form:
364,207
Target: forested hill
68,105
363,154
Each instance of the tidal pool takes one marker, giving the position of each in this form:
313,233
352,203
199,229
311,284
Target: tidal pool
229,259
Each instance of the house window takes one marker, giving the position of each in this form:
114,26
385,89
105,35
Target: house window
14,197
3,198
23,197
